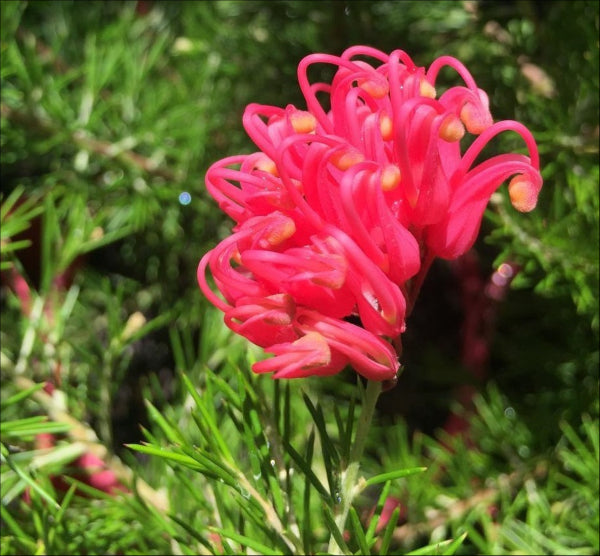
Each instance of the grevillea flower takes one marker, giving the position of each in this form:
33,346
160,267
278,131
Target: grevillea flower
346,203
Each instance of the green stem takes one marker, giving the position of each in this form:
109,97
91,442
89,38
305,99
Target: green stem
349,487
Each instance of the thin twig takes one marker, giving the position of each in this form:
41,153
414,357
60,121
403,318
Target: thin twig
84,141
405,534
350,485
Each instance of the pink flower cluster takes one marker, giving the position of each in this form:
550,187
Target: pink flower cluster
344,206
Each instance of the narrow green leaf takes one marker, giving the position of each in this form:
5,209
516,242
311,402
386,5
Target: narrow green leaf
150,326
66,308
358,532
150,438
319,419
254,421
12,486
388,532
92,492
591,429
340,423
50,236
347,440
213,461
12,198
227,549
141,506
214,465
234,416
331,457
476,537
228,392
216,437
209,394
167,454
193,532
378,509
583,459
436,548
276,402
305,468
24,430
391,475
61,455
287,408
12,523
245,541
110,237
333,529
16,245
456,544
59,516
27,479
173,435
23,423
177,350
306,521
276,493
222,500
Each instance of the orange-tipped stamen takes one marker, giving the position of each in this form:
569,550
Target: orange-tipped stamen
266,165
427,89
390,177
278,234
303,122
386,127
473,121
377,89
452,129
344,159
523,194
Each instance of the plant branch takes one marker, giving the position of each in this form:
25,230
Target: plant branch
80,432
292,542
82,140
349,484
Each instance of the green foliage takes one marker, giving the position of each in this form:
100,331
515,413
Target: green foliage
15,218
261,469
109,112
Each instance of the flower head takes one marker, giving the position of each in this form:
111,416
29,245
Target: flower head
346,202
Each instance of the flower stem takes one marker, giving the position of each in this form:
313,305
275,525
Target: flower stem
349,487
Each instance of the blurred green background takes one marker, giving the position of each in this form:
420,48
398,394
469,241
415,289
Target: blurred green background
111,112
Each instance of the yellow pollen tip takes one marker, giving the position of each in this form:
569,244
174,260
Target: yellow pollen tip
523,195
267,165
452,129
386,128
377,89
282,232
390,177
474,123
303,122
345,159
427,89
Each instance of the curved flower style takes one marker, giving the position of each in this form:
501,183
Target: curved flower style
341,211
